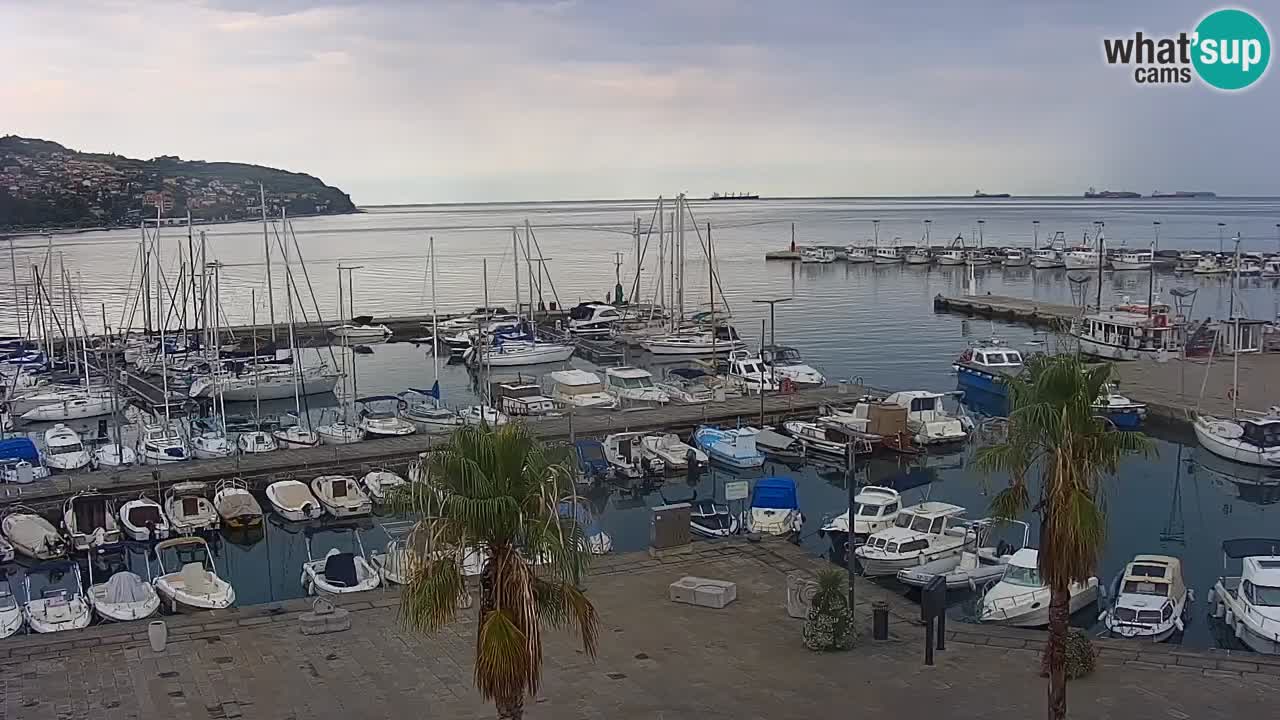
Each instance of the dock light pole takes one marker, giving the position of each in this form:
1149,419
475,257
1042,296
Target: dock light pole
927,242
850,474
1220,246
875,228
772,327
981,243
1035,234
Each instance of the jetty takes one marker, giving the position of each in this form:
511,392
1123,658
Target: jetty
1003,307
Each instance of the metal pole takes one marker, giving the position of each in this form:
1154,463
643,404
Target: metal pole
13,274
266,248
1151,271
851,484
762,378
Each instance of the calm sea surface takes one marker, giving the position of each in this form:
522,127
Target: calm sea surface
866,321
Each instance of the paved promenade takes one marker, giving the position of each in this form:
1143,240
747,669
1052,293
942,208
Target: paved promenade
657,660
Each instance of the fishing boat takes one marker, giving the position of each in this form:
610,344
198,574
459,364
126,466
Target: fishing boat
378,418
977,257
339,572
920,534
340,496
919,256
1123,413
1211,265
162,443
1047,259
89,518
10,612
1248,604
987,366
143,519
723,339
32,535
671,451
188,509
361,330
857,255
122,596
193,583
981,561
293,500
63,450
774,508
952,255
379,484
1082,258
54,600
236,505
633,386
1149,599
1021,598
875,508
581,389
1133,260
622,450
735,448
888,255
786,365
1125,335
928,421
749,373
1015,257
711,519
818,255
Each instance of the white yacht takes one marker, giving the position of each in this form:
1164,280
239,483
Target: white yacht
671,451
263,382
622,450
749,373
516,353
1150,600
55,601
723,339
920,534
858,254
1248,440
785,364
63,449
928,421
875,509
83,404
89,518
692,386
633,386
1249,603
162,443
187,584
1123,335
1134,260
593,320
1021,598
189,510
579,388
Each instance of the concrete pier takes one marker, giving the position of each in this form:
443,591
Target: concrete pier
1002,307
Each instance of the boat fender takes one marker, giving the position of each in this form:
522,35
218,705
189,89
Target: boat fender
1212,597
1229,618
306,509
1177,623
1240,630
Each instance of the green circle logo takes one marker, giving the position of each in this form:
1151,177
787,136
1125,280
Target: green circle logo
1232,49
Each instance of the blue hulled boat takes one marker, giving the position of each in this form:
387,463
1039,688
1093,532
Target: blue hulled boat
986,366
1124,413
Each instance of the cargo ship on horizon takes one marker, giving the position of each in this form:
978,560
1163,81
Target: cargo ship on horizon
732,196
980,194
1184,194
1110,194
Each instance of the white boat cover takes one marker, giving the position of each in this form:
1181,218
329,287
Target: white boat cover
126,587
292,495
29,531
237,504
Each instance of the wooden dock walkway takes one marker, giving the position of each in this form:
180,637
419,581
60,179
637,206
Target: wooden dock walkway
1002,307
397,453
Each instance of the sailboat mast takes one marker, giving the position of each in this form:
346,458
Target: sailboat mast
343,350
266,249
484,379
253,329
111,380
711,289
1235,356
516,266
13,275
288,299
435,319
164,353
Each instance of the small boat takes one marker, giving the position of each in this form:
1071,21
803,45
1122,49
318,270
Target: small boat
162,443
633,386
986,367
482,415
785,364
74,407
580,388
361,330
593,320
89,518
597,541
919,256
1211,265
711,519
774,509
875,508
10,612
211,444
888,255
1021,598
723,339
1015,257
1252,440
7,550
56,603
1047,259
953,255
622,450
123,596
236,505
1149,599
505,352
32,535
1082,258
379,418
255,442
927,419
671,451
817,255
1151,334
980,563
783,448
733,447
1135,260
188,509
423,407
293,500
339,572
977,257
749,373
523,400
1123,413
341,496
831,441
143,519
381,483
339,432
113,455
63,449
592,461
920,534
191,585
692,386
1248,604
399,562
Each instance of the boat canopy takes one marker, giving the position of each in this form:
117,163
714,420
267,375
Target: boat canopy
380,398
1250,547
19,449
689,373
775,492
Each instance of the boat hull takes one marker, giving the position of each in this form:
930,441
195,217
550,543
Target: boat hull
1107,351
1232,449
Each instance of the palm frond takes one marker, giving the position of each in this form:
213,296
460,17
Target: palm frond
430,600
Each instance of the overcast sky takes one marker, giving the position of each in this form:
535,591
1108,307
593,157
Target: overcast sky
400,101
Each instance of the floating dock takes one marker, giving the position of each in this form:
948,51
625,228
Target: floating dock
1001,307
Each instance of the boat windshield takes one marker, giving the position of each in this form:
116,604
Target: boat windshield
915,522
1024,576
588,389
1141,587
590,453
1265,595
786,356
868,510
63,448
632,383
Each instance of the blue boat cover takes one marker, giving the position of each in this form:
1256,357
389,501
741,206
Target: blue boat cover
19,449
1250,547
775,492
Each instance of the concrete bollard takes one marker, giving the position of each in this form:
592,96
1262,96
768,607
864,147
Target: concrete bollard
880,620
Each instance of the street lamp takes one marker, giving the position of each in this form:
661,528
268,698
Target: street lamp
772,328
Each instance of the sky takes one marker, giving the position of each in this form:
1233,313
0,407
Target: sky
398,101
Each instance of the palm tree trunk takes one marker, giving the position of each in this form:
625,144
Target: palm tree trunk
1059,616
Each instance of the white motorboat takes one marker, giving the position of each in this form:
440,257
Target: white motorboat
774,508
633,386
785,364
381,483
579,388
32,535
516,353
90,520
1021,598
749,373
875,509
622,450
296,436
339,432
857,255
378,418
211,444
928,421
1081,258
143,519
399,562
523,400
692,386
361,332
826,439
1047,259
423,408
255,442
86,405
593,320
1149,599
1248,604
482,415
54,600
293,500
113,455
341,496
188,509
63,449
980,564
1248,440
162,443
735,447
339,572
236,505
817,255
671,451
1015,257
10,612
723,339
6,550
711,519
264,382
1135,260
122,596
920,534
191,585
888,255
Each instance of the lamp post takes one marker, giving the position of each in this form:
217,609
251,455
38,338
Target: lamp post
773,376
772,328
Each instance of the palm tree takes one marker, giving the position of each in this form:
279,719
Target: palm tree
499,492
1054,430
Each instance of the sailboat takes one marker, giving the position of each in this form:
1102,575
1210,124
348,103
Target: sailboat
160,441
340,431
256,440
113,454
211,441
423,406
1253,440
